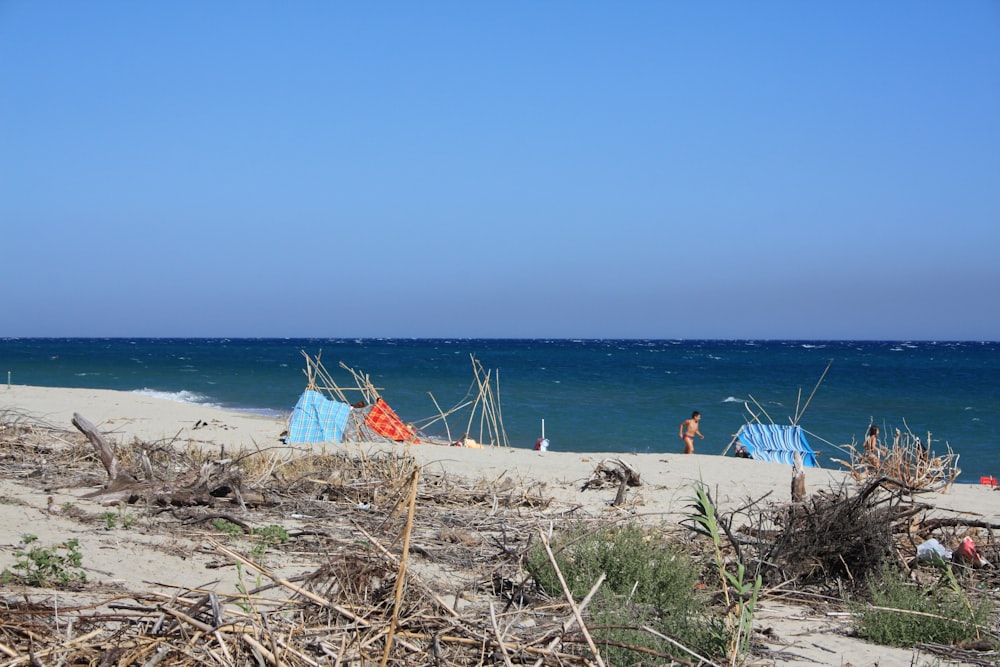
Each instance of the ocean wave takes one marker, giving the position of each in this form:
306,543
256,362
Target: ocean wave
262,412
182,396
733,399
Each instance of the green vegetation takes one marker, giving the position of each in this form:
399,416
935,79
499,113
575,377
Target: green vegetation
228,527
903,613
245,602
652,590
58,565
272,534
265,538
113,519
649,583
740,595
261,539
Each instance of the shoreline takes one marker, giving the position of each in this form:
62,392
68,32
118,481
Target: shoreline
155,417
128,414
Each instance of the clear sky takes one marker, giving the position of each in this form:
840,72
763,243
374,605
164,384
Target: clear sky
563,169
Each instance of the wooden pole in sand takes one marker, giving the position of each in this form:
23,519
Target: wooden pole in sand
401,574
799,413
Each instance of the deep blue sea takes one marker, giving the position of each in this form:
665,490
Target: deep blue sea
593,395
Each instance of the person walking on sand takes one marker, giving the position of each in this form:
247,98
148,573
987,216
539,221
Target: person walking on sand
689,429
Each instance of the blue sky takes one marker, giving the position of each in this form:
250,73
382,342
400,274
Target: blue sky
520,169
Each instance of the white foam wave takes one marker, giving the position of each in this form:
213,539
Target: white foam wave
733,399
261,412
182,396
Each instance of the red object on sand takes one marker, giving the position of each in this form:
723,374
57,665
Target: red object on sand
988,481
967,552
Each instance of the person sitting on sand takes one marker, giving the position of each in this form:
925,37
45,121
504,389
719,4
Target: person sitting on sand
689,429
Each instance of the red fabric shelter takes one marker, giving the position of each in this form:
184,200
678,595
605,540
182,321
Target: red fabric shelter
383,420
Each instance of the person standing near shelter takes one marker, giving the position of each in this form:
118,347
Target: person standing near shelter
871,440
688,430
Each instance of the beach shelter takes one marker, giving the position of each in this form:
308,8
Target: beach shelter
383,420
776,443
317,418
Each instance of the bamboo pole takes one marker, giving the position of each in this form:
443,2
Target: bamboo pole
762,410
447,429
503,431
490,412
798,415
472,414
401,574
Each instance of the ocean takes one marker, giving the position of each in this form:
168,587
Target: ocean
621,396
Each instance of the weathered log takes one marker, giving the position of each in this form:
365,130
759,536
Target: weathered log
215,480
615,471
116,477
957,522
798,479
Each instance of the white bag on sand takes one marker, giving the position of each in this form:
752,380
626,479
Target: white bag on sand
933,551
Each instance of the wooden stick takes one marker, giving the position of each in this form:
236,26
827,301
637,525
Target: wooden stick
395,561
679,645
496,631
798,415
762,410
323,602
568,624
503,431
401,574
569,598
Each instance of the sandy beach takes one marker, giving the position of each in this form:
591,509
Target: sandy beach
143,558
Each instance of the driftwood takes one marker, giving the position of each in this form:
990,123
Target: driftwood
907,459
121,486
798,479
213,481
617,472
104,450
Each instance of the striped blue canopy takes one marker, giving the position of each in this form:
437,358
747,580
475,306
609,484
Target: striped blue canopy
776,443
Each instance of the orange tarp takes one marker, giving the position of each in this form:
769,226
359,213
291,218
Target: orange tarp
383,420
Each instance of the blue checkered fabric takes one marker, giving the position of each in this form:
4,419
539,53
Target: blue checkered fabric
317,418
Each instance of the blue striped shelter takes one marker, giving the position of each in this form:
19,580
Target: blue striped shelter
776,443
